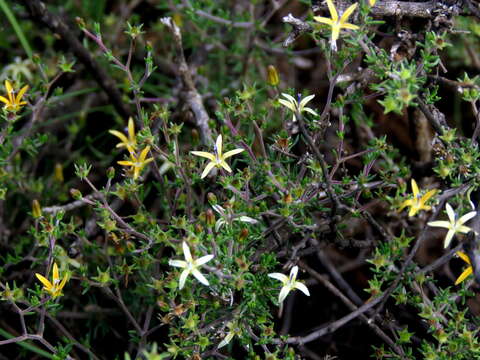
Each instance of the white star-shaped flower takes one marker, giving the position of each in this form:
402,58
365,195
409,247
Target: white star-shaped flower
227,217
297,107
191,266
289,283
453,225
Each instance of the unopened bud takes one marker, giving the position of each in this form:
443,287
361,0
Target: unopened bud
243,234
210,217
58,173
111,172
272,76
76,194
212,198
36,209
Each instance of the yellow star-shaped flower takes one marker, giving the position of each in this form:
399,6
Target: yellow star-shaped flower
131,142
137,163
468,271
55,287
336,23
12,102
417,202
217,159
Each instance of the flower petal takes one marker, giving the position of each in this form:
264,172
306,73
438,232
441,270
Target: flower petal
293,274
62,284
463,229
333,11
448,238
204,154
464,257
414,188
203,260
279,276
4,100
131,128
56,276
207,169
200,277
440,223
290,99
323,20
47,284
144,154
466,217
305,101
301,286
218,146
121,136
225,166
287,104
404,204
247,219
350,26
226,339
428,195
21,93
177,263
347,13
283,293
232,152
466,273
310,111
186,252
450,213
183,278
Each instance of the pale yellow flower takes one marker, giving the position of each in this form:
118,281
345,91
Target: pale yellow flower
129,143
217,159
336,23
417,202
55,287
289,283
137,163
191,266
454,225
372,2
468,271
12,102
297,107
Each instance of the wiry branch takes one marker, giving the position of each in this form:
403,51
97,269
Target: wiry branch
193,98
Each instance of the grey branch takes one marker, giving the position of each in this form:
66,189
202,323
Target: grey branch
299,27
193,98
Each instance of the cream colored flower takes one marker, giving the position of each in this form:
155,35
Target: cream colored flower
217,159
191,266
289,283
296,107
454,225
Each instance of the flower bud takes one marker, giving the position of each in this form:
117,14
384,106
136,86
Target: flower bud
210,217
76,194
272,76
111,172
58,173
212,198
36,209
